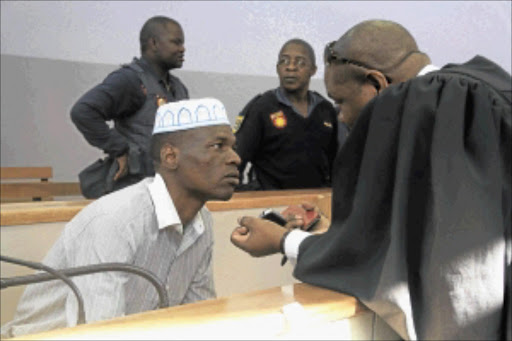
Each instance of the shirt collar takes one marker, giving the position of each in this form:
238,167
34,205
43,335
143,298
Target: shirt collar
145,65
428,68
166,214
313,100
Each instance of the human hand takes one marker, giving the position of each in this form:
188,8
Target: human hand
298,220
122,161
258,237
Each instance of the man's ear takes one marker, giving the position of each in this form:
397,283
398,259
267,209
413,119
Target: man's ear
377,79
153,42
169,156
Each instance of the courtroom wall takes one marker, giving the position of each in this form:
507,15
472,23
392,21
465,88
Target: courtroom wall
54,51
37,95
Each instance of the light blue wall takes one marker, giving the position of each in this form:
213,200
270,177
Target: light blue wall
54,51
37,95
243,37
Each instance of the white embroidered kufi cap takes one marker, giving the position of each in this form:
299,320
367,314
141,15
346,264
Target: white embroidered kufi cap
190,114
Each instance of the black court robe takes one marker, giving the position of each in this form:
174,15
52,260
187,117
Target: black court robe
421,209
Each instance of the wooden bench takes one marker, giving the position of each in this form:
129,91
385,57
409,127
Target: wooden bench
20,184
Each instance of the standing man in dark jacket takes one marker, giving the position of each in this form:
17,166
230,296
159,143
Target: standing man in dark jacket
289,134
130,97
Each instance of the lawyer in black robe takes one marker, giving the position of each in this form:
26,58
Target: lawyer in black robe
421,215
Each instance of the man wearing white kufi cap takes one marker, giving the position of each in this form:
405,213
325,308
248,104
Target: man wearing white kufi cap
160,224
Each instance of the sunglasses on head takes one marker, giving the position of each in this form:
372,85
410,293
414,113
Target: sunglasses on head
331,57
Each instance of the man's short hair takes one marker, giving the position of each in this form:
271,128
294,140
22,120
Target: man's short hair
304,43
159,140
151,28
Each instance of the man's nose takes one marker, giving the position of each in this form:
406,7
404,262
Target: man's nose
234,158
293,65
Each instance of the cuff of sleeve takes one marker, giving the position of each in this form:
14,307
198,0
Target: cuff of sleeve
292,243
119,151
116,145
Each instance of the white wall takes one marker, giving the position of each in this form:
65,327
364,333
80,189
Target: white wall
54,51
38,93
244,37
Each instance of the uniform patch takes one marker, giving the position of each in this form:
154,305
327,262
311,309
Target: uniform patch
160,100
328,124
278,120
238,123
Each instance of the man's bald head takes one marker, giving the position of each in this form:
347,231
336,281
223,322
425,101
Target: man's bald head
385,46
367,59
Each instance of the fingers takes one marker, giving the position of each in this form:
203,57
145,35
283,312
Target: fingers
122,162
241,230
309,206
256,236
122,172
321,227
239,236
295,222
118,174
246,221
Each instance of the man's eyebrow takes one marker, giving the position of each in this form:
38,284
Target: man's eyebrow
223,138
299,56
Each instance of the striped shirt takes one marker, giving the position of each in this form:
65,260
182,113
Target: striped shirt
137,225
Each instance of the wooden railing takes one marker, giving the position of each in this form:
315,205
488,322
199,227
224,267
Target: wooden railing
255,315
40,173
29,229
19,184
55,211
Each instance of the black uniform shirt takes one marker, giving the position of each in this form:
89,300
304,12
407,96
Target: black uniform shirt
286,149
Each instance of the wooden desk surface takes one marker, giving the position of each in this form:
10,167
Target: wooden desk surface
254,315
55,211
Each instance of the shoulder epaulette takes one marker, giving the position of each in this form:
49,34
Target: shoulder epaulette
240,117
134,66
248,105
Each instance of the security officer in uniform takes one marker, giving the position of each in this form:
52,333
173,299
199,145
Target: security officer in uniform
288,134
